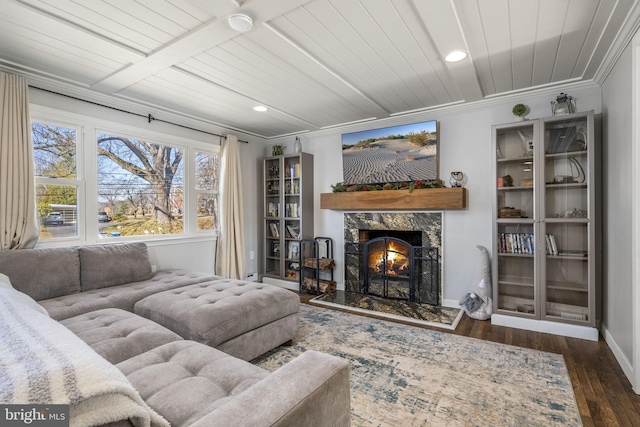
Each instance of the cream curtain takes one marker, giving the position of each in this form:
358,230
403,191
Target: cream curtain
230,254
18,216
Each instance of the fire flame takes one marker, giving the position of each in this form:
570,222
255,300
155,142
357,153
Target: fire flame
393,253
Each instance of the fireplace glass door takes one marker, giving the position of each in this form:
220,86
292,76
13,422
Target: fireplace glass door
388,272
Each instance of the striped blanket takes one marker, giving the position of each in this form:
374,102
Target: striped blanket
42,362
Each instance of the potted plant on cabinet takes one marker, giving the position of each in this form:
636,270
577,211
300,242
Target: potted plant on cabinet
520,110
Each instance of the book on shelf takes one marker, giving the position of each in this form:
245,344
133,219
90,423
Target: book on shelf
274,230
292,187
577,254
516,243
292,210
273,209
293,250
294,232
293,170
552,249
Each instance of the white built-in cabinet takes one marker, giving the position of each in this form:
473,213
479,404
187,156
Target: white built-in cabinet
545,223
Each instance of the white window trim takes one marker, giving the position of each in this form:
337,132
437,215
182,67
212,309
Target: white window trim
87,169
193,191
78,181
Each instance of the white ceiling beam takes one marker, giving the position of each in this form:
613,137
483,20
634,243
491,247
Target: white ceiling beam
23,10
201,39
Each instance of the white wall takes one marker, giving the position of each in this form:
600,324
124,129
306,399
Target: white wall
635,227
252,197
193,255
618,305
465,145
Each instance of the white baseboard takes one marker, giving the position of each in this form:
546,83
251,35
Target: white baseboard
556,328
624,363
293,286
451,303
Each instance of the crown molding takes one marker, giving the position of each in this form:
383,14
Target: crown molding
621,41
401,118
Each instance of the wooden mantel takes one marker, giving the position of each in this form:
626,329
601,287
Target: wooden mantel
424,198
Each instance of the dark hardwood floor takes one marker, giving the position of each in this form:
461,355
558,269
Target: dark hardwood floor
603,393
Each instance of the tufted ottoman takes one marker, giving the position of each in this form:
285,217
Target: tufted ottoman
117,334
243,319
121,296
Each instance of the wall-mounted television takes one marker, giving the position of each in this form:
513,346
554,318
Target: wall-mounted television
392,154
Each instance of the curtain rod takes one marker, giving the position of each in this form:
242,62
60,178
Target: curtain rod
149,117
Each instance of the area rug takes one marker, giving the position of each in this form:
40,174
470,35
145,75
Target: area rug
402,375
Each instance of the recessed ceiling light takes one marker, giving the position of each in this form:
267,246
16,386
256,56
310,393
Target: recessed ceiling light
455,56
240,22
260,108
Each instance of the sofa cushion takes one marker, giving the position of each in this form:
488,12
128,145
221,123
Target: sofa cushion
219,310
118,335
43,273
185,380
103,266
123,296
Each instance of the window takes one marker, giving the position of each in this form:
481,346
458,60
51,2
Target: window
57,183
99,179
206,190
141,185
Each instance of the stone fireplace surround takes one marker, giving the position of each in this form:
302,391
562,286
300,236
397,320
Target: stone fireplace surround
428,223
430,226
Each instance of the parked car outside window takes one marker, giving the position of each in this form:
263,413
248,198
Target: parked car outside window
54,218
103,217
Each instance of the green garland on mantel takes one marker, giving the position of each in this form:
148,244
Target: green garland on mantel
404,185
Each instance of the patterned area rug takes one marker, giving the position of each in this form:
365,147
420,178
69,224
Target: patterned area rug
406,376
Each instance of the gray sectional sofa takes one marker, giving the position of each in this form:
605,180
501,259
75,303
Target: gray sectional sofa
174,343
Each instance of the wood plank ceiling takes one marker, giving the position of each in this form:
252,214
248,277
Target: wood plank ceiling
314,63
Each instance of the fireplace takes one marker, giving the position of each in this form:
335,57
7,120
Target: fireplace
394,255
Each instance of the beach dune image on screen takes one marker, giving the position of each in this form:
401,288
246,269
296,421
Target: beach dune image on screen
401,153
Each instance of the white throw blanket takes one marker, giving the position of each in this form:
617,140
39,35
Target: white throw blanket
42,362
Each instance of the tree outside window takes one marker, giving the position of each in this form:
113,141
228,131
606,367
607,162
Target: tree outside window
141,184
54,153
206,188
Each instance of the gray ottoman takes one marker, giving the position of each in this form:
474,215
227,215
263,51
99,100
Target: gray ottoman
117,334
243,319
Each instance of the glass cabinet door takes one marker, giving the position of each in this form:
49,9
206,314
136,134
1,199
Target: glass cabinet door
272,215
292,214
515,222
288,215
568,231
